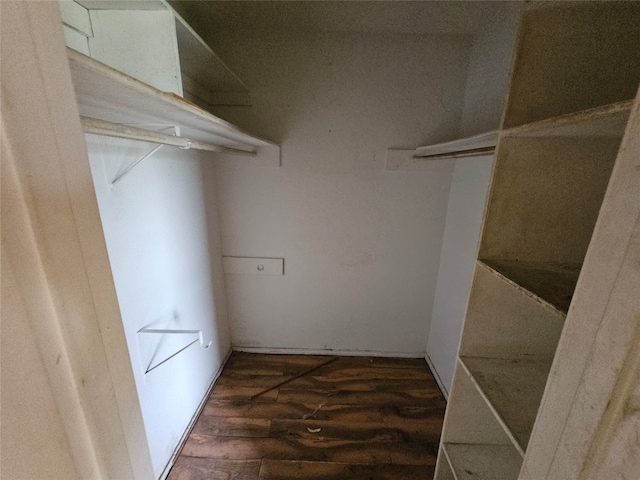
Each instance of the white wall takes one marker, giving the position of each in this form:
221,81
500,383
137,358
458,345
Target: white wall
489,68
457,261
156,231
485,94
361,244
167,274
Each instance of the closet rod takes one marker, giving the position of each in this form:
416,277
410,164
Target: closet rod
472,152
110,129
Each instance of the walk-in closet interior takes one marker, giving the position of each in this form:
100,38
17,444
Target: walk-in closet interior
454,183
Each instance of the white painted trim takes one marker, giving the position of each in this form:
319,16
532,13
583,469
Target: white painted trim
439,381
403,160
455,147
318,351
194,419
73,300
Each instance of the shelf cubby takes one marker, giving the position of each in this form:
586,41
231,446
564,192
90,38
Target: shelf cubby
443,466
513,389
505,320
573,56
474,441
486,462
545,198
469,418
549,183
552,285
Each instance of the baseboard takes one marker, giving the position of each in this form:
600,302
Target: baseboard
318,351
194,419
444,391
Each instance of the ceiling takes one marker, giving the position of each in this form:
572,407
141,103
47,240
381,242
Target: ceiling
394,16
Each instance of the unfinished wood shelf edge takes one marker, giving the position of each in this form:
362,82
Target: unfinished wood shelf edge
484,461
512,389
107,94
603,121
565,277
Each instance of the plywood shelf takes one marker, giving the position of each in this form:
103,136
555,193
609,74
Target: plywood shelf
550,285
573,56
513,389
483,462
107,94
545,197
604,121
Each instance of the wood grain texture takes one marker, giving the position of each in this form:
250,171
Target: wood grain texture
293,470
356,418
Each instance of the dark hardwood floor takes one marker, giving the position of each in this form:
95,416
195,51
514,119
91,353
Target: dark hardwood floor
358,418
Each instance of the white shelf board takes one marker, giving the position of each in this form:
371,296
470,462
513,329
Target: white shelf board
513,390
107,94
605,121
483,462
483,140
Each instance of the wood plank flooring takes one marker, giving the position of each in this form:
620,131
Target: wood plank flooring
358,418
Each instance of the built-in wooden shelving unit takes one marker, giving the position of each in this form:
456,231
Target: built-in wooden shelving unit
512,388
574,79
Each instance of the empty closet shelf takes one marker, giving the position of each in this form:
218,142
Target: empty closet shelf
106,94
513,389
605,121
486,462
553,284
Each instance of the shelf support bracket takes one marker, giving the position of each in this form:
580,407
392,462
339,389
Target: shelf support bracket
134,165
170,331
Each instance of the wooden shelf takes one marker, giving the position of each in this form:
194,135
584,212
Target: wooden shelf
604,121
551,285
107,94
483,462
572,56
513,389
545,197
